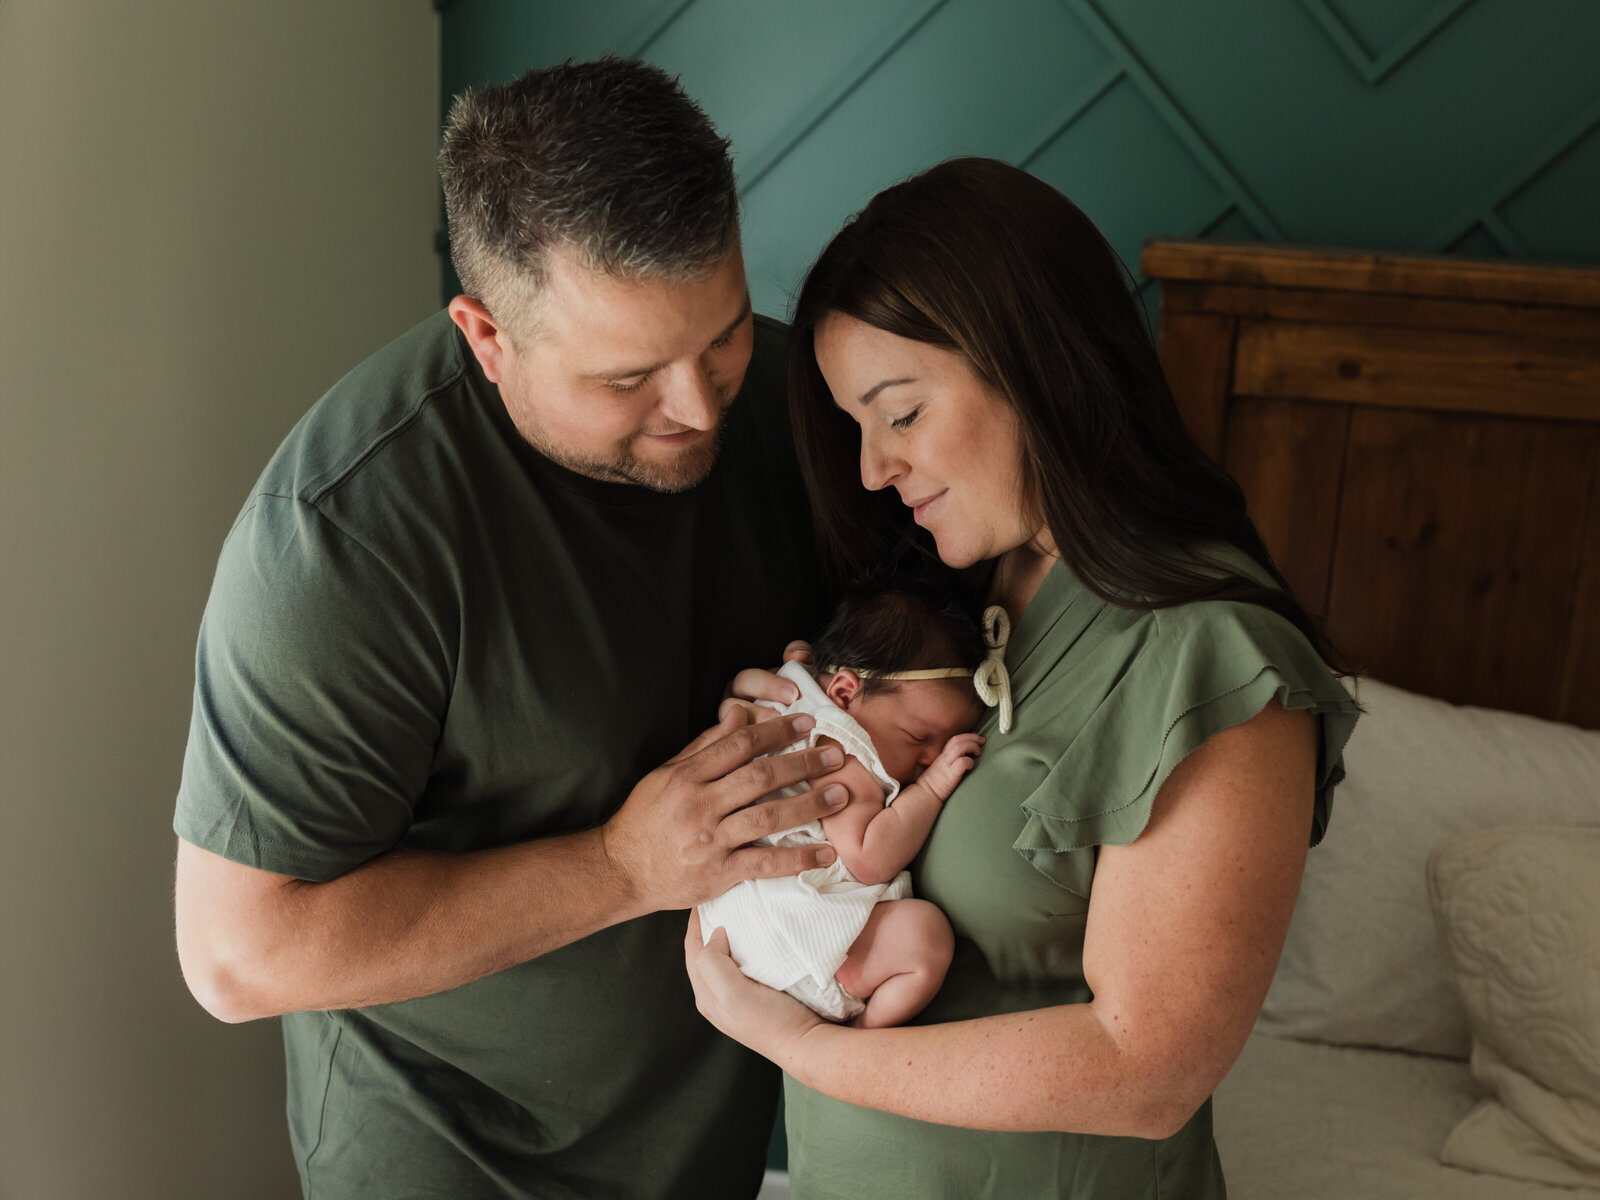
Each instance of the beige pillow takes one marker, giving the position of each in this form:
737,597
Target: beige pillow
1363,965
1518,911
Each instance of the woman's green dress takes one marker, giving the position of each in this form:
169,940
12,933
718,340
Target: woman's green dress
1107,701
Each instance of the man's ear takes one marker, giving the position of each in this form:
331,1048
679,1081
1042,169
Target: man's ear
844,688
483,335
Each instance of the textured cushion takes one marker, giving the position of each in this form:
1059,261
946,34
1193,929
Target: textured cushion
1519,915
1302,1121
1363,965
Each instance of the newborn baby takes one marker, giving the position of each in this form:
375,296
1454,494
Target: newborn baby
895,693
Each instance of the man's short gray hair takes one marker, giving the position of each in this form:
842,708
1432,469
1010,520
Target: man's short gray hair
609,159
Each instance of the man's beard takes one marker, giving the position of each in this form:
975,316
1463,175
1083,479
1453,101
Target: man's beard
683,471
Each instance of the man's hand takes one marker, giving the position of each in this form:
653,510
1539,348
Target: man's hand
958,757
684,833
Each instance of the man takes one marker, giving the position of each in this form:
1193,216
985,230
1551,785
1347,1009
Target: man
488,583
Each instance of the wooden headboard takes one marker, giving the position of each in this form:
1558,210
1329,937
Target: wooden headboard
1419,441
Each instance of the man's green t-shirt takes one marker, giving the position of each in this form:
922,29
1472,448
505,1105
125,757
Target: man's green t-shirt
423,633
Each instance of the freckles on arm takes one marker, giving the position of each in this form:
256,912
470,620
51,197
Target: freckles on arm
1184,932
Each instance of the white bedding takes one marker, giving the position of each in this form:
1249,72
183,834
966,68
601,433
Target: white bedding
1313,1122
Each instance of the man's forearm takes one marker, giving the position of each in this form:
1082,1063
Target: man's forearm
409,923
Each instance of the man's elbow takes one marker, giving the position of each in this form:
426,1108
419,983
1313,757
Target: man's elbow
221,987
225,916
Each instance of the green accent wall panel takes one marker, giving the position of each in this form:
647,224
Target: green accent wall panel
1465,126
792,64
893,123
497,41
1409,162
1163,187
1556,212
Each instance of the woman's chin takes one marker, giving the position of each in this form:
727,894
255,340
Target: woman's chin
954,554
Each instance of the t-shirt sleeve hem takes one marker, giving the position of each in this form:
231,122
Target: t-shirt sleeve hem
225,838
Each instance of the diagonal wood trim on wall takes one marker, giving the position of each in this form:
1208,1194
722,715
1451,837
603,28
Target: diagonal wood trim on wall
1374,68
1485,210
1182,127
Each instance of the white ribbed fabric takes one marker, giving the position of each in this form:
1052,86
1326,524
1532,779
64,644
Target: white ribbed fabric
793,933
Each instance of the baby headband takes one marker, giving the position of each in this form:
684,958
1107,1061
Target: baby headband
990,680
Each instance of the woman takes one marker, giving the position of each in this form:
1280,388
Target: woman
1121,867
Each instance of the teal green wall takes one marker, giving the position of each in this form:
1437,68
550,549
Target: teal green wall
1469,126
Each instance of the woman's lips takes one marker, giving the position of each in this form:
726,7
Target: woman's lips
921,508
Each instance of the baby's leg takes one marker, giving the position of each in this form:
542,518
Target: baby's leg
898,962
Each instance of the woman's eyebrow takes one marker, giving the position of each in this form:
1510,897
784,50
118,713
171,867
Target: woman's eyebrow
871,394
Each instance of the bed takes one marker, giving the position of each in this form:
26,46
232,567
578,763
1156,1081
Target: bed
1419,442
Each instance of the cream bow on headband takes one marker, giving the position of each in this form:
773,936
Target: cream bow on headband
990,680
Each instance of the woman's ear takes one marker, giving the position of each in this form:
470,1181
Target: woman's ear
844,688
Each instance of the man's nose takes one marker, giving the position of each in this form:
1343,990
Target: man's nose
691,399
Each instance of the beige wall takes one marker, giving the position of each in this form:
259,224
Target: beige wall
208,212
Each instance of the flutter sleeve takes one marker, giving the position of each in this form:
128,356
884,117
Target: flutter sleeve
1195,670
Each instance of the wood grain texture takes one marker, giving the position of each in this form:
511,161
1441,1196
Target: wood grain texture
1197,356
1422,458
1259,265
1358,308
1458,553
1289,459
1580,681
1419,368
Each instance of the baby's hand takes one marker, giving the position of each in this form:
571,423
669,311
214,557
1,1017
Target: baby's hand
954,761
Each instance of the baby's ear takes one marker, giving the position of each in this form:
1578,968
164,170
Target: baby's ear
843,688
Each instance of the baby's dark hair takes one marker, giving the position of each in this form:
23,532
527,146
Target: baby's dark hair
897,623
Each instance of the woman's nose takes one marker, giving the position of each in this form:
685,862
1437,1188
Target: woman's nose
877,469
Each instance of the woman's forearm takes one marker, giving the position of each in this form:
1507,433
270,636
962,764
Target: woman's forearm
1058,1069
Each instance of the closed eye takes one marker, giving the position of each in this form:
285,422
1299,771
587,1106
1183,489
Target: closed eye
905,421
628,387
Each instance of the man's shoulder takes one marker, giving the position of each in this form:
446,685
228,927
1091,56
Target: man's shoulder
371,406
766,380
762,406
774,331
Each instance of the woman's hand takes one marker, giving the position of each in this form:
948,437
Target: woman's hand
754,684
769,1022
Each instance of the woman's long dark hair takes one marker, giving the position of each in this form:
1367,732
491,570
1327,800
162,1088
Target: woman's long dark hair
979,257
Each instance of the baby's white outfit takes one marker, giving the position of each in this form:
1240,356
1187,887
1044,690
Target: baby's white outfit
793,933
